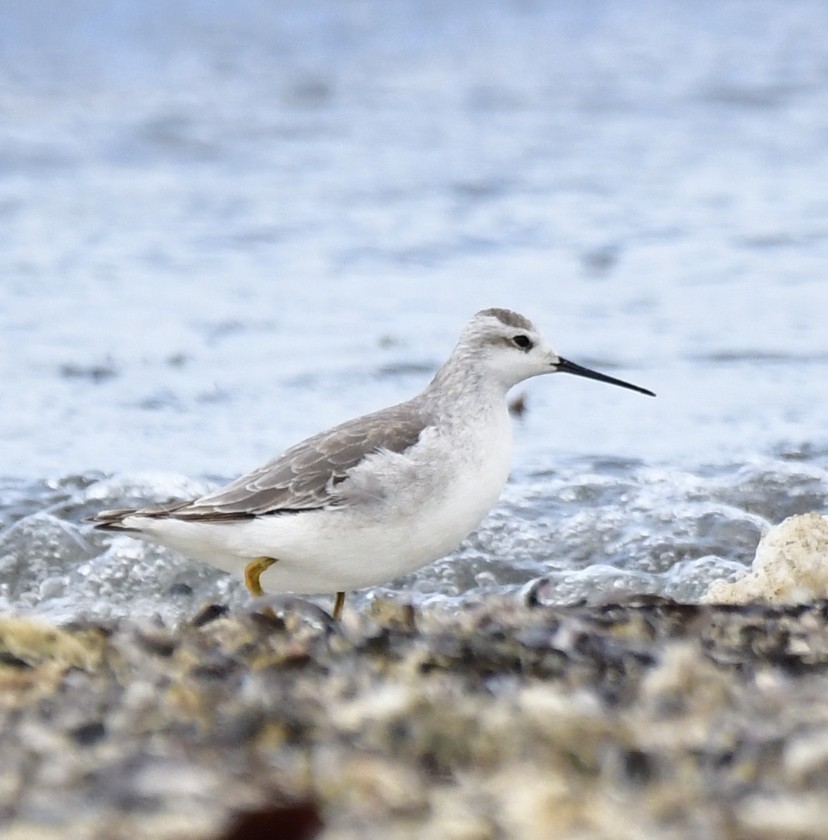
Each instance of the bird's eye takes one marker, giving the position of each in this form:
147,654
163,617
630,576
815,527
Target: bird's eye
522,341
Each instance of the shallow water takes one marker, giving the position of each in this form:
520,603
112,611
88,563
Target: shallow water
225,227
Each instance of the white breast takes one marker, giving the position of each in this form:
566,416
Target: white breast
407,510
436,495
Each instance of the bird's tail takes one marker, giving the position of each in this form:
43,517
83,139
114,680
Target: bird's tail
113,520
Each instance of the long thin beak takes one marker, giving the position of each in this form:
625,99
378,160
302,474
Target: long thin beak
565,366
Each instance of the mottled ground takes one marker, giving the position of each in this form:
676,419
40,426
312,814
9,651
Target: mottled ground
647,719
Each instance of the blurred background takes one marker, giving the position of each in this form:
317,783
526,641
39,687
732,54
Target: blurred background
227,225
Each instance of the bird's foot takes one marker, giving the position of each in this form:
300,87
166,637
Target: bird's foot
253,571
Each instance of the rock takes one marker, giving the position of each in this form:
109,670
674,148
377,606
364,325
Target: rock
790,567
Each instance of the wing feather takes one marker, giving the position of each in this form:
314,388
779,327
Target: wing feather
306,476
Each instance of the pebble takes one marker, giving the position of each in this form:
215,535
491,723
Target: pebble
641,719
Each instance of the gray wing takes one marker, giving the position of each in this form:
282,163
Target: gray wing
305,477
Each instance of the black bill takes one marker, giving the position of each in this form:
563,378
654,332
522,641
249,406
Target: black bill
565,366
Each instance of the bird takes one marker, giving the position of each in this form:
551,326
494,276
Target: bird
374,497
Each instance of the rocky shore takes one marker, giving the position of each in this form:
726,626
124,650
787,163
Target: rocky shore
644,719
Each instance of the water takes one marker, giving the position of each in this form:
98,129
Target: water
226,226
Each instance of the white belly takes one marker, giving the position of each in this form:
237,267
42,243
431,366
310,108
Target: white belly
436,495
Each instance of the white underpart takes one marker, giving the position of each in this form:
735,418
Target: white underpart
429,500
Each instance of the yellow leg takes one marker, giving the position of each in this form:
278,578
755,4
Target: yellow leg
253,571
339,603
